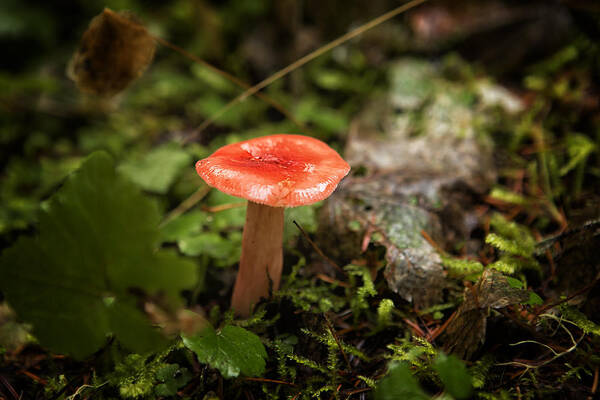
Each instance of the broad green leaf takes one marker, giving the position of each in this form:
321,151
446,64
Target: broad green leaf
454,375
225,250
399,384
53,171
183,226
157,170
232,350
229,218
97,240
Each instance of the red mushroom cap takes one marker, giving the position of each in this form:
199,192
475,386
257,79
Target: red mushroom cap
277,170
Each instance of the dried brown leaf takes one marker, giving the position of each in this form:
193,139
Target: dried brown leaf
114,51
466,332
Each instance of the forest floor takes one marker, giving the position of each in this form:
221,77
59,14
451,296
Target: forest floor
457,260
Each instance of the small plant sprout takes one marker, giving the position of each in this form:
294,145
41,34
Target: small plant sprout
271,172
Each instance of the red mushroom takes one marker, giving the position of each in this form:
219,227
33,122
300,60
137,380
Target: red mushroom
272,172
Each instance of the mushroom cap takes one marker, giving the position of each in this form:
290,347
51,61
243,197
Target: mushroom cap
278,170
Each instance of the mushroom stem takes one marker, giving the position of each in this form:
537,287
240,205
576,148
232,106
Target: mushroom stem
262,257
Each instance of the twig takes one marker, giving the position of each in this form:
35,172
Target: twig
318,250
8,386
82,388
554,352
303,60
432,242
186,204
356,391
547,243
267,99
595,383
33,377
270,381
415,327
329,279
223,207
577,293
438,331
337,340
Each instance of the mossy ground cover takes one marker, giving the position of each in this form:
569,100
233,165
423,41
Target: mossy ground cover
118,262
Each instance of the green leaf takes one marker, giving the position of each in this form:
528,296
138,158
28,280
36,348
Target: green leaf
157,170
97,240
232,350
333,79
226,219
534,300
399,384
328,119
514,282
225,250
172,377
454,375
183,226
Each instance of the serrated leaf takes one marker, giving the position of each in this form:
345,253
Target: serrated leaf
232,350
97,239
399,384
454,375
157,170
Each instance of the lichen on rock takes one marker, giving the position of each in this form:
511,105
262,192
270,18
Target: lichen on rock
425,156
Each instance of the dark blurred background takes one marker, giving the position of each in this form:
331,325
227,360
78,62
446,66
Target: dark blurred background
47,126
